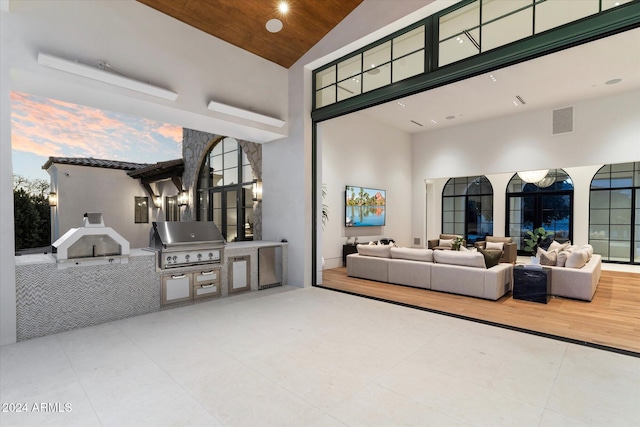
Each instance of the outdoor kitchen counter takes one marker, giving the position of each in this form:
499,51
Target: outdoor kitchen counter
51,300
250,248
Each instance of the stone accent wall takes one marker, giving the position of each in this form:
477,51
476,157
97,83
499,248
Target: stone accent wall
195,144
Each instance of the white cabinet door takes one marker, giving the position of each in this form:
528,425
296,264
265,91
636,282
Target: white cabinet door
176,288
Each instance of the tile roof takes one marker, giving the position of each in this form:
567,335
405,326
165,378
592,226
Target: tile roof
98,163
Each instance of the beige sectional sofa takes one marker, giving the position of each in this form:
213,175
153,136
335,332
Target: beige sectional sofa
456,272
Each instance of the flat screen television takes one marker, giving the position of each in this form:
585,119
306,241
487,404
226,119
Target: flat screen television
364,207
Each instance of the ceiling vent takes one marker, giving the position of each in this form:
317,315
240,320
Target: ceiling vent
562,120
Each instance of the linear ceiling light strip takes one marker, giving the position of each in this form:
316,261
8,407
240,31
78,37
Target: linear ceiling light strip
104,76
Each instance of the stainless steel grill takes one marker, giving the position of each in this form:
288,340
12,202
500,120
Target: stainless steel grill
181,244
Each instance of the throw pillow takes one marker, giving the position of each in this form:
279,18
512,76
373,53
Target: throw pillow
445,243
555,245
415,254
561,260
467,259
491,256
381,251
547,257
577,259
494,245
589,249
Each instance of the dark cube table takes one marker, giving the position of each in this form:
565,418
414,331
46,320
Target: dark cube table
532,284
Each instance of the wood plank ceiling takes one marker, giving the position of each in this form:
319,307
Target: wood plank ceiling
242,23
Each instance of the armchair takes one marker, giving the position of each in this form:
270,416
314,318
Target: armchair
435,243
510,251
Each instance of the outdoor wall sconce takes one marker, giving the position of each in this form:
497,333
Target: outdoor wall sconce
157,202
257,190
183,198
53,199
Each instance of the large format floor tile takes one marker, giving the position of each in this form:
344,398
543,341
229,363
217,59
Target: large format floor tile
312,357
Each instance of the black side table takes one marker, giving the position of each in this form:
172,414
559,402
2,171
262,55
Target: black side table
532,284
347,250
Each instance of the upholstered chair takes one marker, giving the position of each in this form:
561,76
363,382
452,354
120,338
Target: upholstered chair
439,244
510,251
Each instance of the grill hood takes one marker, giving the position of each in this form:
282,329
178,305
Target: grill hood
169,235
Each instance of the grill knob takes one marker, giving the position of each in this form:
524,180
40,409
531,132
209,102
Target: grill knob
199,256
175,258
187,257
168,259
210,255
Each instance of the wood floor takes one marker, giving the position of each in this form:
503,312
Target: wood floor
611,319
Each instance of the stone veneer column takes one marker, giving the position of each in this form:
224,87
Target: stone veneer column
195,145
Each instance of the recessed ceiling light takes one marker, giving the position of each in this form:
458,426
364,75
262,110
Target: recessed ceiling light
274,25
401,104
493,78
613,81
283,7
433,121
450,117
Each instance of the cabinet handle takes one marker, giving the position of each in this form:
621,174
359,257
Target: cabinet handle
207,273
178,276
206,286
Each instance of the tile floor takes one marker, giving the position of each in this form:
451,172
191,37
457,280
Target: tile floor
312,357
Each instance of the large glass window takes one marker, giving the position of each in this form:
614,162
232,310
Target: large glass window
171,208
141,210
547,203
467,208
224,190
614,213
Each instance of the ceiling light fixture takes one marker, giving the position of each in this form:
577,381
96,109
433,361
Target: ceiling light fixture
493,78
533,176
419,124
245,114
102,75
283,7
433,121
612,81
401,104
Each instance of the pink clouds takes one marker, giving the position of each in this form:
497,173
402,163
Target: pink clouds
54,128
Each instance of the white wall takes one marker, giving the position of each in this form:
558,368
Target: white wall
287,163
607,130
110,191
357,150
7,248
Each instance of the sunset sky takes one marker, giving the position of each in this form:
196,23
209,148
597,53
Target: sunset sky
42,127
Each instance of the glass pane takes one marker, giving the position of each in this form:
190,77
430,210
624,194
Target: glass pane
245,159
459,204
217,200
620,216
229,144
506,30
458,48
492,9
447,216
461,188
350,67
622,179
408,66
377,56
248,196
232,233
622,167
600,199
230,176
620,198
218,178
232,199
600,247
216,162
376,77
408,42
326,96
461,19
599,216
248,223
553,13
458,228
325,77
447,228
636,179
217,218
231,159
448,188
447,204
247,173
599,231
459,216
620,232
619,251
348,88
217,149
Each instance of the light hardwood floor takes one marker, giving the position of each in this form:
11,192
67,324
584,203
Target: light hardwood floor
611,319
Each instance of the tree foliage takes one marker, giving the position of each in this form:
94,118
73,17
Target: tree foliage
32,213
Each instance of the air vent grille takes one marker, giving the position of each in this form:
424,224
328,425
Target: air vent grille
562,120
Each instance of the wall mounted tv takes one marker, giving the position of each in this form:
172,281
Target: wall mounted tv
364,207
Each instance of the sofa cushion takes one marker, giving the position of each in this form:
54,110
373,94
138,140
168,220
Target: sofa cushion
467,259
549,257
491,256
558,247
577,259
589,249
499,239
494,245
414,254
445,243
381,251
561,259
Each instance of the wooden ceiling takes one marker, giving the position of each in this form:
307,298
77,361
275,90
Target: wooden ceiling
242,23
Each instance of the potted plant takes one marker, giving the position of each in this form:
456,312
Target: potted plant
456,243
535,238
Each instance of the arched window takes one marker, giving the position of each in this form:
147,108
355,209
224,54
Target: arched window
467,207
614,213
224,193
547,203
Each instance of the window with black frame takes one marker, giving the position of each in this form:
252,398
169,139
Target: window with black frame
224,191
614,213
547,203
467,208
141,210
171,208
